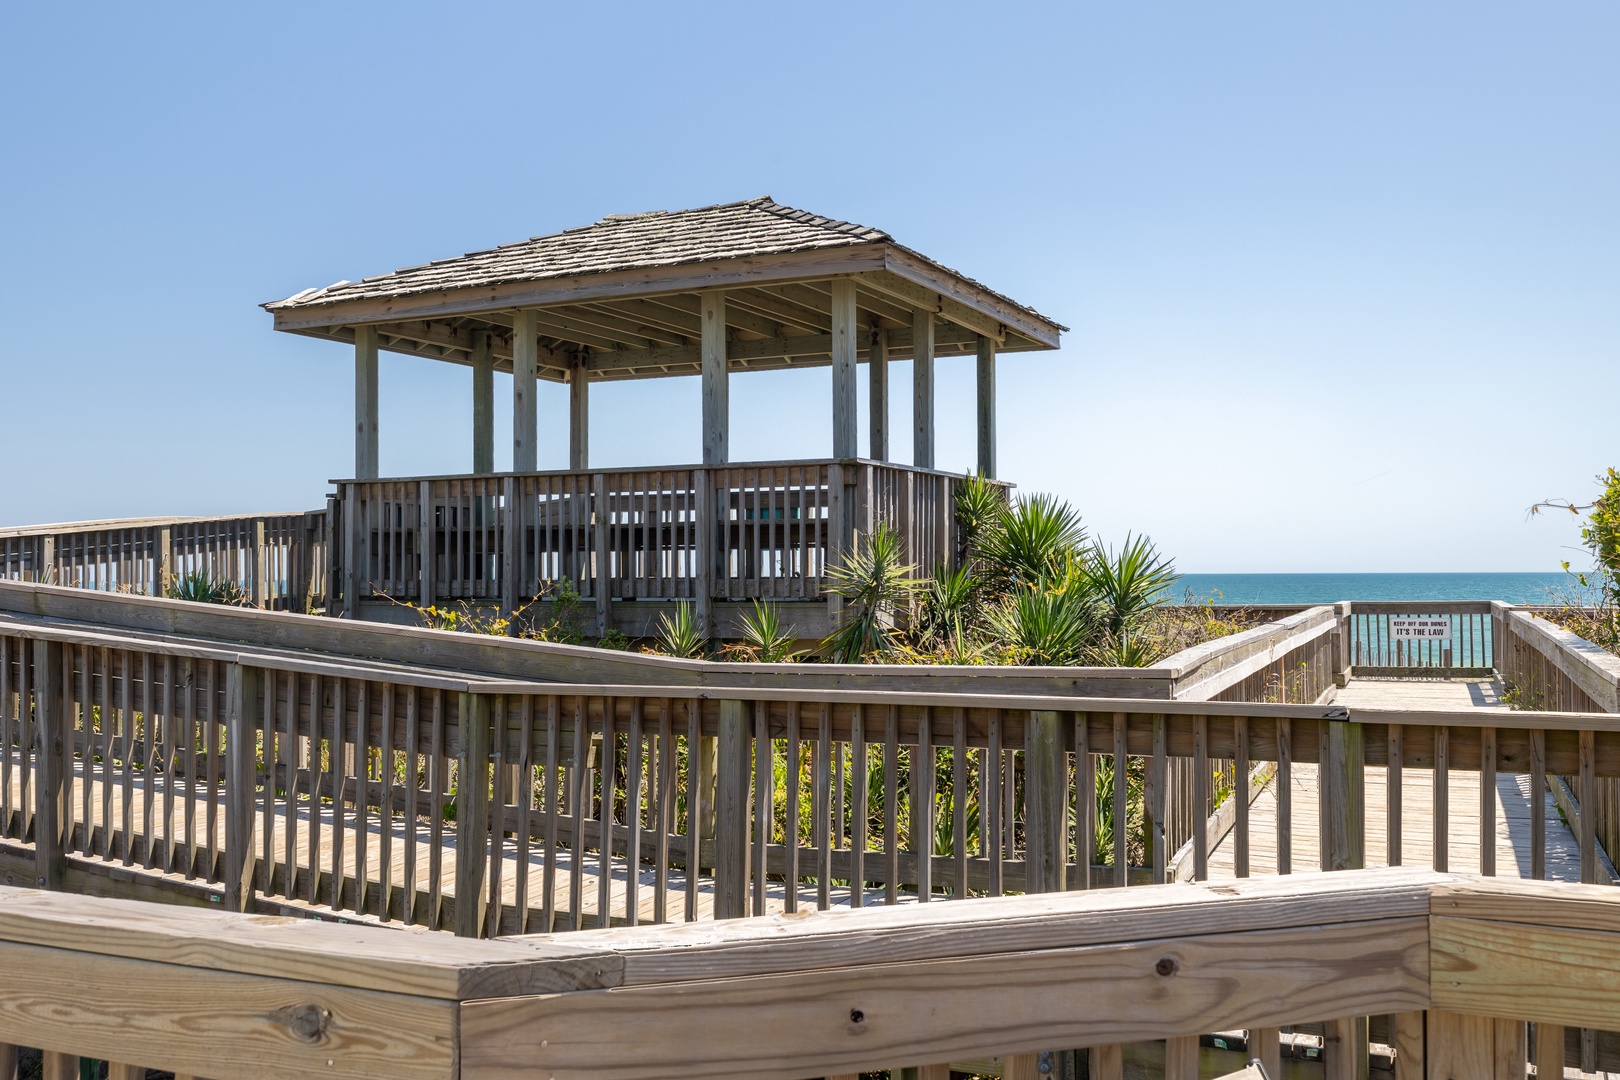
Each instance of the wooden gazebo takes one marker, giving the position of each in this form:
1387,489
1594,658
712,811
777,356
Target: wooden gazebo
737,287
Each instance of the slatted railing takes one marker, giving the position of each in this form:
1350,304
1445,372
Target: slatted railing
727,532
445,800
1457,640
277,560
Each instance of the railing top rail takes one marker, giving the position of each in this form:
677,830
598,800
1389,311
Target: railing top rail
1419,607
138,523
676,467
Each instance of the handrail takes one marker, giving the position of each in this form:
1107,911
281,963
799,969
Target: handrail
1460,965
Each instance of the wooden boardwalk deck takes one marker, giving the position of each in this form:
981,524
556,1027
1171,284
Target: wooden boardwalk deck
1513,806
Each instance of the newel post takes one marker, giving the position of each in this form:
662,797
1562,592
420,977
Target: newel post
244,718
474,721
1342,795
51,803
731,813
1047,807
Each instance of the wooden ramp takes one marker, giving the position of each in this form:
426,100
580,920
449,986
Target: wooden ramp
1418,811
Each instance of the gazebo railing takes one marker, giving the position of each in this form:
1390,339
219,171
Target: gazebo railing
764,530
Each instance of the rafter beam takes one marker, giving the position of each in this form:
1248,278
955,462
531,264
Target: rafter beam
913,295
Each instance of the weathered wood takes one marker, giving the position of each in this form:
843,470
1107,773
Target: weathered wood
1046,803
1342,813
483,404
1549,1058
922,387
52,807
818,1022
59,1066
845,342
1108,1062
1407,1039
525,418
877,371
1485,967
1181,1058
731,819
1460,1046
472,813
716,389
365,402
986,407
579,418
244,718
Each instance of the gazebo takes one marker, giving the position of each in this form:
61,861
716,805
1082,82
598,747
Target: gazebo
740,286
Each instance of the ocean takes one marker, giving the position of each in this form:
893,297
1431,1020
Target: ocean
1550,588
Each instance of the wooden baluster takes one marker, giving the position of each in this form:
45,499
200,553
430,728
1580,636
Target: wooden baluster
475,721
795,768
1200,798
1285,795
58,1066
1392,797
1487,801
632,811
1406,1035
1181,1058
1265,1045
959,802
1442,792
1589,806
922,773
764,800
1549,1052
1538,804
552,792
731,817
1085,779
1121,834
891,800
1243,793
859,810
605,814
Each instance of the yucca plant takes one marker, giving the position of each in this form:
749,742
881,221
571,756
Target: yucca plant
874,583
980,503
1048,626
764,639
950,609
201,587
1128,584
1032,541
680,635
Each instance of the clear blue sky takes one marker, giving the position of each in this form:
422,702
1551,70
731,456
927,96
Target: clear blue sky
1344,279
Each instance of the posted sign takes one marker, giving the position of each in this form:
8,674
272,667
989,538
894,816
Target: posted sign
1414,629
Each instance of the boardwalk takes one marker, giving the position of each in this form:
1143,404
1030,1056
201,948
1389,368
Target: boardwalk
1513,807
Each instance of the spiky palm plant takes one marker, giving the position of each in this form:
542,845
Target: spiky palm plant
874,583
1050,626
680,635
764,639
202,587
1128,584
1034,541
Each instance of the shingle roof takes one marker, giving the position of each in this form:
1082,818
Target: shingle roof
754,227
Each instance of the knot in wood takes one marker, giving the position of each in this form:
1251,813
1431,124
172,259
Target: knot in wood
1166,965
307,1022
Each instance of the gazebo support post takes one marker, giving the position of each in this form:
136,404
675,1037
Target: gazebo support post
845,441
987,407
579,416
525,365
483,405
365,403
877,369
716,391
922,388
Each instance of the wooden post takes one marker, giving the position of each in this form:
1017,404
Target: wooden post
51,795
427,541
703,572
525,375
365,402
58,1066
164,568
244,714
352,549
260,568
1342,796
844,334
922,388
483,404
716,376
472,812
579,416
1549,1051
877,371
1046,810
731,813
601,535
511,543
332,544
987,407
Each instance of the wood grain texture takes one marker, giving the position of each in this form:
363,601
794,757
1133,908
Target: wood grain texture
1531,972
884,1015
1461,1046
208,1023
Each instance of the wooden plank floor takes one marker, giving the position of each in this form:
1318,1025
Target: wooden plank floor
1512,832
169,825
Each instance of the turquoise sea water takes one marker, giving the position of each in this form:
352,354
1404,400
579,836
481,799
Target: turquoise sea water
1326,588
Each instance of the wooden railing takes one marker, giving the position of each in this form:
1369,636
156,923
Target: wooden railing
1427,975
1375,648
1550,668
278,561
701,533
399,792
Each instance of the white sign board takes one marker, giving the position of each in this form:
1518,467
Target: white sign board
1414,629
